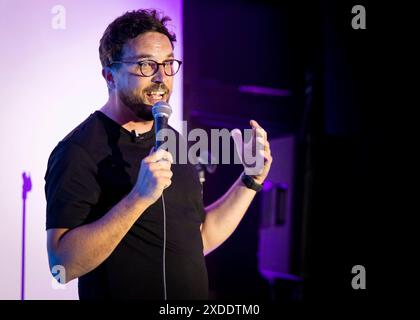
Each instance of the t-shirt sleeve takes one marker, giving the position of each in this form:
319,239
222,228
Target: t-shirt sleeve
71,187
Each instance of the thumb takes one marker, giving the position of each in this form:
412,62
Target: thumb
237,139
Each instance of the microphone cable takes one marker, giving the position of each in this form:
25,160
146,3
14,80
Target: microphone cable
164,248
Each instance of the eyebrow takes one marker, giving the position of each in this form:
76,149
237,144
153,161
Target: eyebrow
142,56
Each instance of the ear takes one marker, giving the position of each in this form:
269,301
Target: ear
108,75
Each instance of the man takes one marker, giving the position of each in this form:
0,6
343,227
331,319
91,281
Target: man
107,223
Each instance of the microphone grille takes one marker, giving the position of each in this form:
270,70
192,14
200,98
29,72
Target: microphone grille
161,108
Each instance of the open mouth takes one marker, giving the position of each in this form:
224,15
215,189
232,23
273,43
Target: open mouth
155,96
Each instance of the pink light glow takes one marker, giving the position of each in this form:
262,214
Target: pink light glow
51,82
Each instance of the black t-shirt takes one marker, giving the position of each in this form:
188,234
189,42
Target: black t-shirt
88,173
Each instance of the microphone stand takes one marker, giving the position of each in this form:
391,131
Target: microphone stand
26,187
204,165
201,175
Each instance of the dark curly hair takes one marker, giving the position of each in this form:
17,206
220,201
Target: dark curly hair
128,26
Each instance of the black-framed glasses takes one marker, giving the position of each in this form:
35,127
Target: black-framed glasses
148,68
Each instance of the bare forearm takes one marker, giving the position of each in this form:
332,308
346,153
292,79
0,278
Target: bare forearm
84,248
223,216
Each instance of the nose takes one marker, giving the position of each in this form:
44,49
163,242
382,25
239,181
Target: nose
159,75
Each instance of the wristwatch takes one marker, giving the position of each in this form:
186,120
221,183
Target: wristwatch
250,183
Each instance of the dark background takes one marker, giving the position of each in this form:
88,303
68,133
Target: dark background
330,70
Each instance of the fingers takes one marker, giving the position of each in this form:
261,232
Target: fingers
254,124
263,144
162,174
260,132
160,165
267,156
166,183
163,180
261,137
159,155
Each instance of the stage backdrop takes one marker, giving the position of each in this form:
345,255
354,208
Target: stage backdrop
50,82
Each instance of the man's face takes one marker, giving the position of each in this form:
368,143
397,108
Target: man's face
139,93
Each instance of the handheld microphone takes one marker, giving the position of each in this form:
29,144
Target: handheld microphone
161,111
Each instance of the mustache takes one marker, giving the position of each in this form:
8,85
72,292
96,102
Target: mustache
157,87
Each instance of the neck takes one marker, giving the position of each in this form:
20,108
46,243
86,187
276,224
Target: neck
125,117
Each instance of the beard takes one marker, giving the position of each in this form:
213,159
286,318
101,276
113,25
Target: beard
135,102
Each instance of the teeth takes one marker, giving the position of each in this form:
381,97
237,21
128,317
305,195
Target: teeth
157,93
